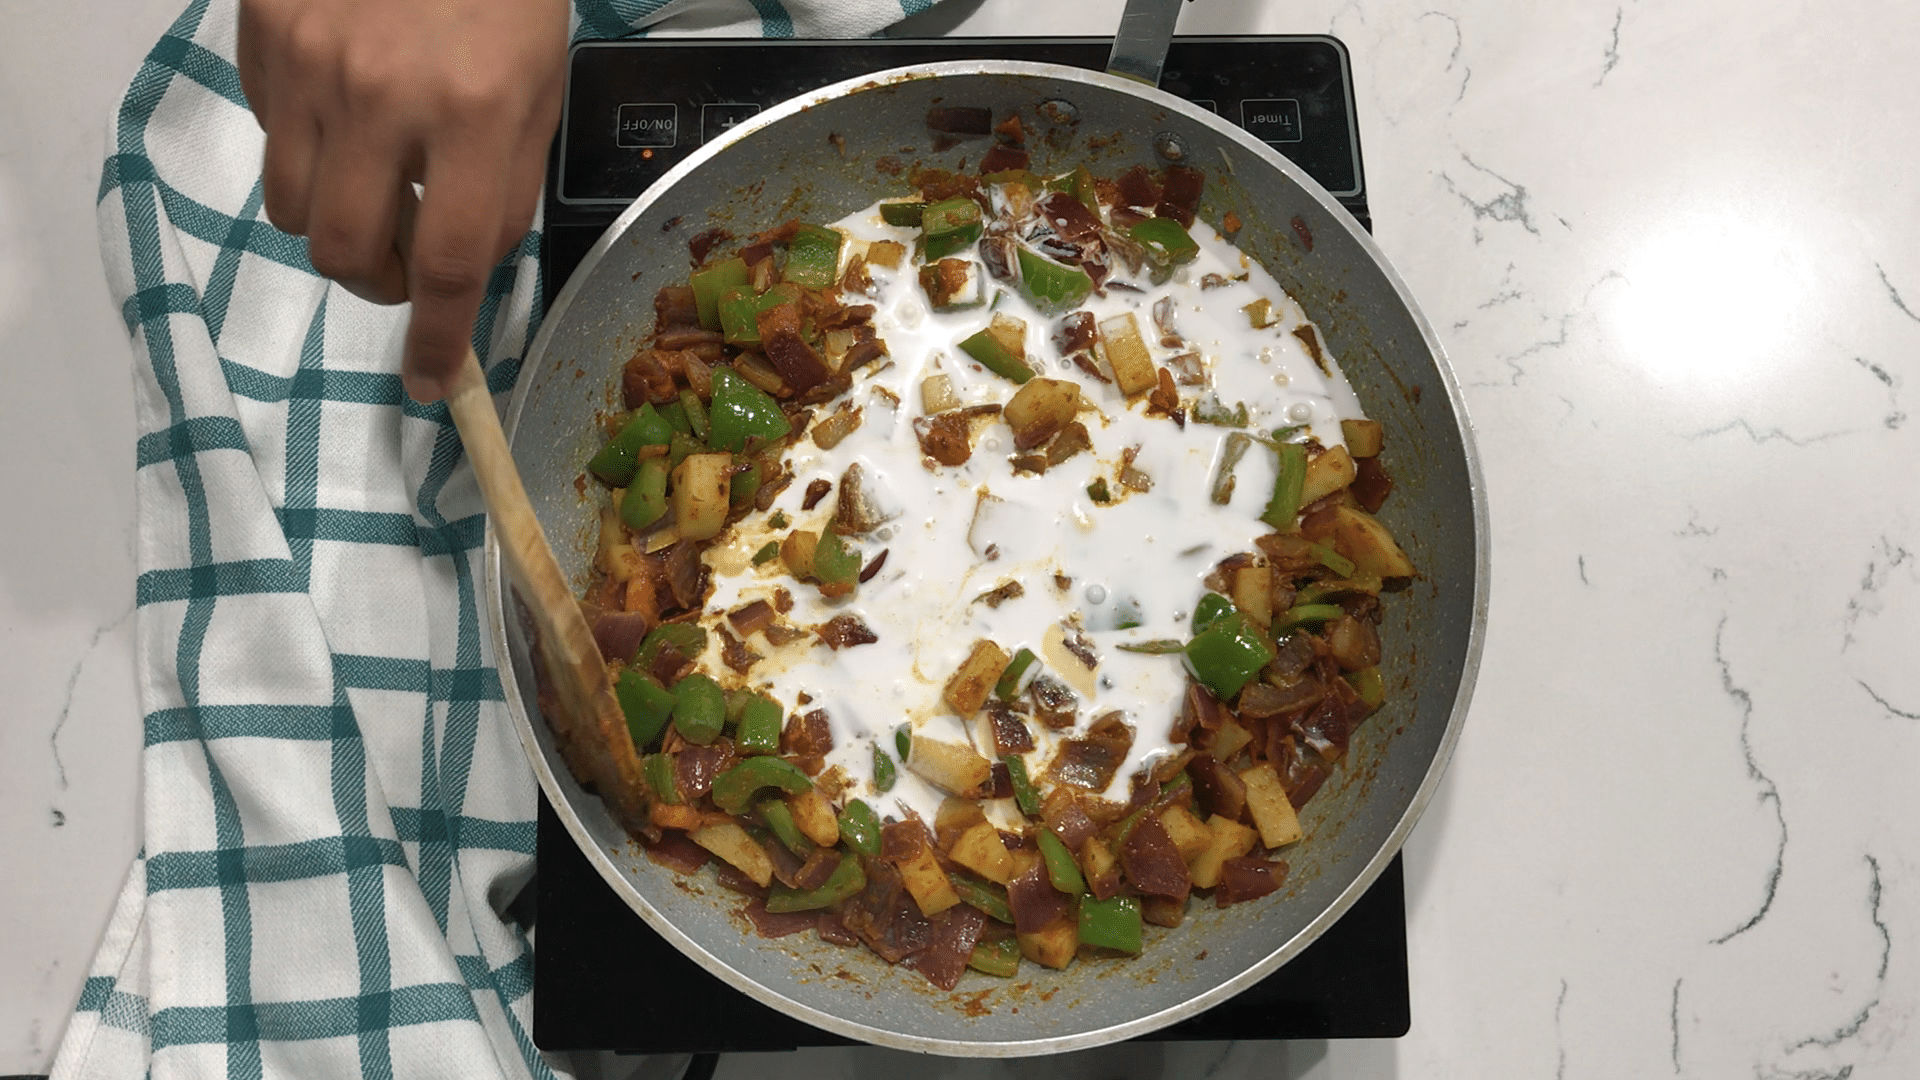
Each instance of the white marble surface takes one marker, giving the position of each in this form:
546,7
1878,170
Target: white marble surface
1674,253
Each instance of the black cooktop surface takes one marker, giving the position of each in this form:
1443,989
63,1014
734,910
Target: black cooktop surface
603,979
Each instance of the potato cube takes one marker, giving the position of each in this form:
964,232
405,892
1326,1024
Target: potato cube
887,253
1053,947
955,816
734,844
1359,536
1363,437
1328,472
1100,867
700,495
981,850
1229,740
936,394
969,687
684,816
814,815
624,561
1189,835
1040,409
951,284
1269,806
1253,593
1127,354
1226,840
796,551
931,889
951,767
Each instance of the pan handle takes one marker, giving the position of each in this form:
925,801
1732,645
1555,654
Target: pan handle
1140,48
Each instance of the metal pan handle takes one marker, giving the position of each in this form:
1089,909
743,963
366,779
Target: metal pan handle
1140,47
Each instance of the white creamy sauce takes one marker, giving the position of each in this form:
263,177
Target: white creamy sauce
962,531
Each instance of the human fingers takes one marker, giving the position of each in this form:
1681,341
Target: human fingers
456,241
250,50
352,212
525,175
278,89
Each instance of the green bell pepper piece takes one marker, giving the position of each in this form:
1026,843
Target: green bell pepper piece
689,638
779,818
1226,654
813,257
740,311
684,447
647,704
619,459
1369,685
742,411
735,788
1084,189
860,828
1210,607
844,883
768,552
658,769
737,705
951,225
699,709
994,355
834,563
1166,241
675,414
1156,647
1333,560
905,214
745,484
1302,614
997,958
903,740
1111,924
991,899
1288,482
696,412
1061,869
884,772
1317,591
711,284
1024,792
759,730
646,499
1125,829
1051,286
1009,685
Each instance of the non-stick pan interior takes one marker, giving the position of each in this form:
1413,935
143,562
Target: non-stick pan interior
832,152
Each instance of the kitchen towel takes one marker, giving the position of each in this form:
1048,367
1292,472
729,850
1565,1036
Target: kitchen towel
336,811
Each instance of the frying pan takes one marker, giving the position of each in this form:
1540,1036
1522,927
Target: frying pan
829,152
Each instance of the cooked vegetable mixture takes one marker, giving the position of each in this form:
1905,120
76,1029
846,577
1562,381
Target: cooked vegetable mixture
991,572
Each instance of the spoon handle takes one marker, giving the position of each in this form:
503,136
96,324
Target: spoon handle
1140,46
590,726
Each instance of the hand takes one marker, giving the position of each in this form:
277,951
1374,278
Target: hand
362,97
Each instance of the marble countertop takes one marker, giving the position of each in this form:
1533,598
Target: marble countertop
1673,252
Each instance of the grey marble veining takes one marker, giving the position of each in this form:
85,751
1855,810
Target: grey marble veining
1674,254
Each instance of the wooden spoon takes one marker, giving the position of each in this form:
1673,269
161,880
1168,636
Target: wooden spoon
590,727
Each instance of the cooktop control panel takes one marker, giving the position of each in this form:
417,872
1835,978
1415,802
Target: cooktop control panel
637,108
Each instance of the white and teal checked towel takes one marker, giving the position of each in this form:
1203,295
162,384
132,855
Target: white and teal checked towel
336,810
